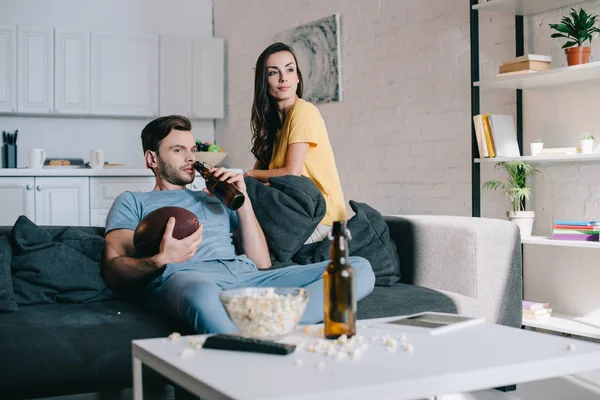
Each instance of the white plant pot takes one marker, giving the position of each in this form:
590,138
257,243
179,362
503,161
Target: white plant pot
536,148
587,146
524,220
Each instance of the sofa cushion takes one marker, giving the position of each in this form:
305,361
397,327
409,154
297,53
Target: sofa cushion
288,211
66,344
7,294
370,240
403,299
56,265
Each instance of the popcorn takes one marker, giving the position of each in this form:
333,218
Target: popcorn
187,352
321,364
298,363
197,342
571,347
174,336
265,313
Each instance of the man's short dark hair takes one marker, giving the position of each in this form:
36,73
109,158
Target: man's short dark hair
160,128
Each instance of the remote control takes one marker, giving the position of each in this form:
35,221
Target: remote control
240,343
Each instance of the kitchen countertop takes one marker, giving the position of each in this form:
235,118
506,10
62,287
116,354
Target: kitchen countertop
69,171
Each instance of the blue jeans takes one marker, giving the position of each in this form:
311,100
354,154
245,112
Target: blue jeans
191,293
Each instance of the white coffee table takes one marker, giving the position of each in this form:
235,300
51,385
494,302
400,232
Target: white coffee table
478,357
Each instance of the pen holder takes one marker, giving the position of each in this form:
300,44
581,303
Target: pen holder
9,156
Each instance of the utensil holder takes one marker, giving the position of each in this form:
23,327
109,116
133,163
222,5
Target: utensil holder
9,156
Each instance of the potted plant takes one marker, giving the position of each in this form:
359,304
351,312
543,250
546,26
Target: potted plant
536,146
577,30
517,191
587,143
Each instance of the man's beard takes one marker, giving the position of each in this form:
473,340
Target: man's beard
172,174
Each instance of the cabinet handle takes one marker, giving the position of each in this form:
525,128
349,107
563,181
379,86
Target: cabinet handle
12,110
50,110
39,188
29,186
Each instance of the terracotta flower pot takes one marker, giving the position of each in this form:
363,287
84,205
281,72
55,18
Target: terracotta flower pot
578,55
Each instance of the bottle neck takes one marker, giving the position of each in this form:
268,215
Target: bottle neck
339,249
198,166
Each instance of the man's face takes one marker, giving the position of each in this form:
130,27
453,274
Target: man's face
175,157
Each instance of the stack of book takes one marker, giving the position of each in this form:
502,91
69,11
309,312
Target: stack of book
496,135
533,310
576,230
526,64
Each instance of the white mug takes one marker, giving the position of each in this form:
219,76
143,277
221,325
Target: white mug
96,158
36,158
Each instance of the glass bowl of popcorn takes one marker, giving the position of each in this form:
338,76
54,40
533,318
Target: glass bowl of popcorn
265,313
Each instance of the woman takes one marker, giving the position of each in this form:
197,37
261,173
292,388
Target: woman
289,135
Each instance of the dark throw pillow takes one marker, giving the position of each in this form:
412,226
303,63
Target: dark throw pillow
7,294
288,212
57,265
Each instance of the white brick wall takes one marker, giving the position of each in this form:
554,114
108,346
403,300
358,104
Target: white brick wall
402,134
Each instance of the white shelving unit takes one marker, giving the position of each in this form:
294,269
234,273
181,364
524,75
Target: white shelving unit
568,324
551,77
548,241
569,158
523,7
581,326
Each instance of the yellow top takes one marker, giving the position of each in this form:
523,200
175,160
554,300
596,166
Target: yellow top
304,124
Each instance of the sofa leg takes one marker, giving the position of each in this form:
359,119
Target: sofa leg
508,388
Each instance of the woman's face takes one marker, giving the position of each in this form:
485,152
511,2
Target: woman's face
282,75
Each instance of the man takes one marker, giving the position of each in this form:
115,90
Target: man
186,276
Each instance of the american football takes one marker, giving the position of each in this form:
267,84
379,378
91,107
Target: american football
149,232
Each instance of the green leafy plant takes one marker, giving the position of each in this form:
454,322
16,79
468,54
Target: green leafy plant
577,29
516,186
587,136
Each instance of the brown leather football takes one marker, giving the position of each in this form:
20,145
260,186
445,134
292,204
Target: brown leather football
150,230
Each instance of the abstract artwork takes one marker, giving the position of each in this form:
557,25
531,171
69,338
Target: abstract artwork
317,47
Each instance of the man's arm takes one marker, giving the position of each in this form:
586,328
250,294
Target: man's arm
294,161
254,244
122,269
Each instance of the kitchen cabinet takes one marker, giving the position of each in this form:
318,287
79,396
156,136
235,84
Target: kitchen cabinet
35,71
8,69
62,201
72,72
192,76
176,55
208,78
18,198
125,78
45,200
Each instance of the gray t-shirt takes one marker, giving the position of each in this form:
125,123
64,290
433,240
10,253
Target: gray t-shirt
219,222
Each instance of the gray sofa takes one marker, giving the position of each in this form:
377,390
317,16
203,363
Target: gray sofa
451,264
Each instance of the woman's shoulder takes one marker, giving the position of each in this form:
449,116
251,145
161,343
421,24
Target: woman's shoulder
305,108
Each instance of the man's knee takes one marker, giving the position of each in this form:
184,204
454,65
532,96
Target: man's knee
204,309
365,278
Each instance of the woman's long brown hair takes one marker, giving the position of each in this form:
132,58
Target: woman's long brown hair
265,121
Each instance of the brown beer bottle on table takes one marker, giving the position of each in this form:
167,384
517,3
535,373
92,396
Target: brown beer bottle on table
339,287
226,192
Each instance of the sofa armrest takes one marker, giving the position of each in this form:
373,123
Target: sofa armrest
475,257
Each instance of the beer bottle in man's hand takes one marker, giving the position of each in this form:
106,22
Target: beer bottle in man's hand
226,192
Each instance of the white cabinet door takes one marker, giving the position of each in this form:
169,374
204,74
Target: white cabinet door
125,74
208,99
17,198
8,69
62,201
36,71
176,75
72,72
98,216
104,191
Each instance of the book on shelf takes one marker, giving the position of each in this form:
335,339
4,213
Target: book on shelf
496,135
525,65
576,222
583,237
528,57
558,151
534,305
523,72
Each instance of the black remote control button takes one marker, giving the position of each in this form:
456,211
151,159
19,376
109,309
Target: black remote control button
240,343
